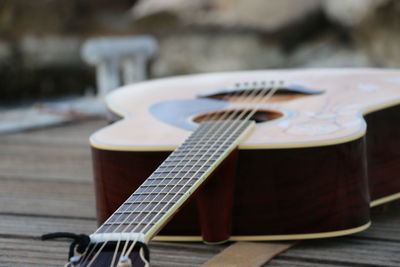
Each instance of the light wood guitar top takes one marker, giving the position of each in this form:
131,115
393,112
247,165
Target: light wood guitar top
332,117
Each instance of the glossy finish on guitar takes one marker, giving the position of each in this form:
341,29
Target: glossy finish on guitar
312,173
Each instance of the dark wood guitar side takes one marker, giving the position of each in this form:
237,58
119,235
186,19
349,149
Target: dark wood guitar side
272,194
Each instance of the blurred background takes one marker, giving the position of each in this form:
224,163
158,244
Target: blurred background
54,69
40,41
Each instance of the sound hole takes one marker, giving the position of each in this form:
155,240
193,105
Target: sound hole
259,116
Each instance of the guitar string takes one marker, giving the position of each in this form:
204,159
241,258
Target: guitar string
164,196
183,186
243,113
119,239
251,93
210,116
162,210
120,215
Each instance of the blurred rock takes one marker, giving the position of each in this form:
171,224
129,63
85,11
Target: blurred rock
328,52
222,35
191,53
373,27
50,51
351,12
5,53
179,8
378,36
267,15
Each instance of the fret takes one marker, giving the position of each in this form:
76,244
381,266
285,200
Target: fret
202,153
126,225
145,202
168,189
154,197
157,179
196,156
185,163
187,155
134,219
208,142
181,168
198,151
129,221
168,182
171,181
204,142
157,194
151,207
187,172
146,188
201,162
178,176
143,207
127,228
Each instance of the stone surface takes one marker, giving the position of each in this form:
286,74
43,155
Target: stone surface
5,53
378,36
190,52
351,12
46,51
328,52
268,15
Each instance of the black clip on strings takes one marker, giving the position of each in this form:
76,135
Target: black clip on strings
80,242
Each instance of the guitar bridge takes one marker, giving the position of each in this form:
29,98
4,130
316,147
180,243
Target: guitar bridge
247,87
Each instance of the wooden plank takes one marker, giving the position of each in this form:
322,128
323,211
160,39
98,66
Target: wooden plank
61,153
377,246
385,225
45,176
47,198
76,133
278,262
42,162
29,252
346,252
35,226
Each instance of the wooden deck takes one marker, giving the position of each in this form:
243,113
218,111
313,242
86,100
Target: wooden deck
46,186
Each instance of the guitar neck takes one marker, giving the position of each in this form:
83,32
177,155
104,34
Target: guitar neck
144,213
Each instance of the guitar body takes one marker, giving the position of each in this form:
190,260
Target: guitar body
311,168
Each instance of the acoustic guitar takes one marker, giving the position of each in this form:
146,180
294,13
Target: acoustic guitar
257,155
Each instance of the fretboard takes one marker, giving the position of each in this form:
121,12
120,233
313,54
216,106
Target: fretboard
175,180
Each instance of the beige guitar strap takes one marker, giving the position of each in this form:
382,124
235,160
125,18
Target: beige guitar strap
248,254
